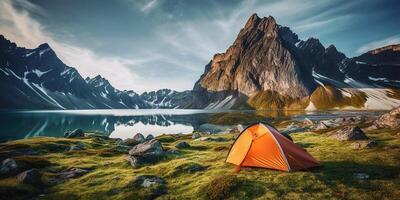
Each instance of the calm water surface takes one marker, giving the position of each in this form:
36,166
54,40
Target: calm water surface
125,123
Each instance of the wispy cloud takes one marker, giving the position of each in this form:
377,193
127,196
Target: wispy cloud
395,39
18,25
149,5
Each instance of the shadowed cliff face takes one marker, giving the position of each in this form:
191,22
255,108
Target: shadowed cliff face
257,61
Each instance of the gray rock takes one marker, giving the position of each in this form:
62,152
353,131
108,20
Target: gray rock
151,147
149,137
364,144
350,133
74,134
145,153
149,180
361,176
196,135
308,122
322,125
138,137
390,120
31,177
8,166
292,128
182,145
172,152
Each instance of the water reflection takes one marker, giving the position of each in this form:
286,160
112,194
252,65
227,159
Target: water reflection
125,123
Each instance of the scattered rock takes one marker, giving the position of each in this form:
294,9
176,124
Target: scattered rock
73,173
79,146
138,138
237,129
350,133
149,180
390,120
364,144
321,126
173,152
152,147
182,145
292,128
8,166
149,137
146,152
361,176
308,122
155,185
196,135
74,134
31,177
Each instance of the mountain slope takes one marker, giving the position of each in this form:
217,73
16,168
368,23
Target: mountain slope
38,79
268,67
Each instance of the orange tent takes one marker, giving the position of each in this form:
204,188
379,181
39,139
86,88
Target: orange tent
261,145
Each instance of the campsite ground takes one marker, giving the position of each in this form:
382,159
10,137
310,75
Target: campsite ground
111,176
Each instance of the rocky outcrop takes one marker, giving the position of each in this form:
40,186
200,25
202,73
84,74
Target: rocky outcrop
182,145
350,133
145,153
390,120
269,67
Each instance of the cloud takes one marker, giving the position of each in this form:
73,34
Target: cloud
395,39
149,5
18,26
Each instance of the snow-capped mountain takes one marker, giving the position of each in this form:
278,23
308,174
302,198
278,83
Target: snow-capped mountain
166,98
269,67
38,79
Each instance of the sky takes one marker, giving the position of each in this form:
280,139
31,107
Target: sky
145,45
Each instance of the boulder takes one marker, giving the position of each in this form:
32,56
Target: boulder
154,184
31,177
350,133
145,153
182,145
149,137
308,122
74,134
321,126
151,147
138,137
148,181
196,135
172,152
364,144
292,128
390,120
8,167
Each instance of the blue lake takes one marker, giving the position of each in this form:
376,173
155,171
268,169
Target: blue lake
125,123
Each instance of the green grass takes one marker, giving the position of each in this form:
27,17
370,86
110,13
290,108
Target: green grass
112,177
